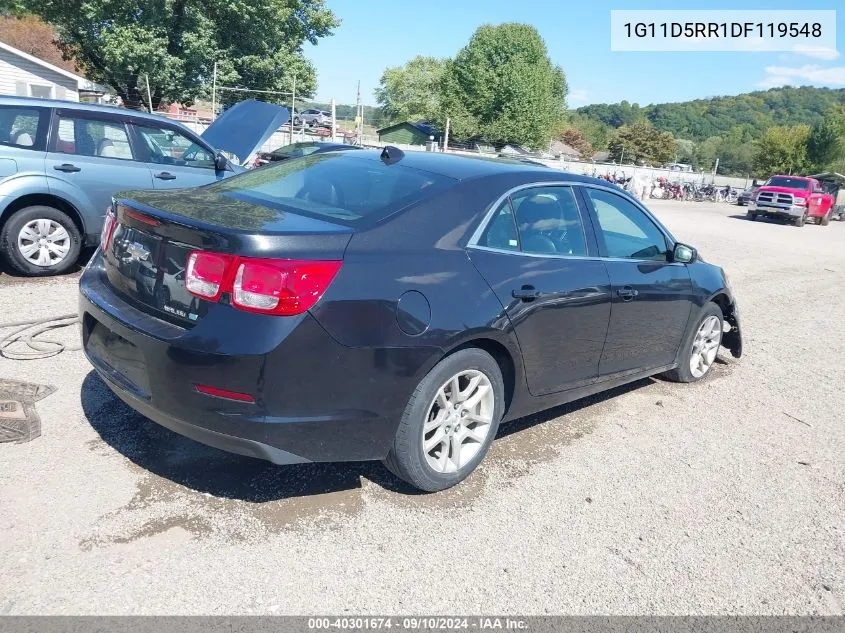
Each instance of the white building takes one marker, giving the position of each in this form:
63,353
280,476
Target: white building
24,75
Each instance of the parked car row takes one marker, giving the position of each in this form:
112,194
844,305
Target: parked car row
61,163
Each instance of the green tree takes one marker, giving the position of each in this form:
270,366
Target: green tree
824,144
596,132
12,7
783,150
503,86
735,157
412,92
256,43
641,141
685,151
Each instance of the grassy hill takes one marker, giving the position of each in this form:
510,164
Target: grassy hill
744,116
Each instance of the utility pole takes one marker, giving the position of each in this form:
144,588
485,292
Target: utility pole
359,116
214,92
292,108
334,124
446,136
149,97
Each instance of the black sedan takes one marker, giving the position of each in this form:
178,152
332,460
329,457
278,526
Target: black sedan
297,150
385,306
745,195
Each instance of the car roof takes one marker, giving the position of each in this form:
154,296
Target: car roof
461,167
88,107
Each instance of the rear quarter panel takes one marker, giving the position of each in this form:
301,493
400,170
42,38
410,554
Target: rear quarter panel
21,174
421,250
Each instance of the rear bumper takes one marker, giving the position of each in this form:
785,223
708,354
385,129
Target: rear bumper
229,443
315,400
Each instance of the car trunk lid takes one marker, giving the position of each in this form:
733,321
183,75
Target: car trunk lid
155,232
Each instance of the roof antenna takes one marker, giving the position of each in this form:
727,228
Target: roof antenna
391,154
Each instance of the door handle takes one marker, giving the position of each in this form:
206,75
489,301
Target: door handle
627,293
67,168
526,293
165,175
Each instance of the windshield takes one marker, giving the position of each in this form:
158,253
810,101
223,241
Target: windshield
786,181
333,185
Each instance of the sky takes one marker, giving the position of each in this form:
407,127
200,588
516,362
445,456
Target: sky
374,35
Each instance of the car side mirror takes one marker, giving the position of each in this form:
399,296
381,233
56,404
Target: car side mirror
220,161
683,254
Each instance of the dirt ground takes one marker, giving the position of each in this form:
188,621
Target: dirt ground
657,498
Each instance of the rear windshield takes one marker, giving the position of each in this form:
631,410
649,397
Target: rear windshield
333,186
786,181
297,149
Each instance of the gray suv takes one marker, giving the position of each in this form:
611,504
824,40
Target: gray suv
313,117
61,162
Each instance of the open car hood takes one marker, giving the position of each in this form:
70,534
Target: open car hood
242,129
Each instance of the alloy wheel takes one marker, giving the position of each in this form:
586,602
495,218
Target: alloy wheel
705,346
44,242
458,421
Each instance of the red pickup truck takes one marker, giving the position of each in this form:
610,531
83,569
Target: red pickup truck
792,198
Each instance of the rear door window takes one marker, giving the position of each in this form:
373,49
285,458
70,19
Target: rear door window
23,127
93,137
539,221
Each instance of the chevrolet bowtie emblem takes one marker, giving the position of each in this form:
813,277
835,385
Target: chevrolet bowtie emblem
137,251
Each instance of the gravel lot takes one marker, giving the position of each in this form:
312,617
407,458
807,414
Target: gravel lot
723,497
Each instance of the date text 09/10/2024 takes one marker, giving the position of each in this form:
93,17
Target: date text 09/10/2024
417,623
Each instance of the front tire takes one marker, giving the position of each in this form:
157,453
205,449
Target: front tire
799,221
700,347
40,241
449,421
752,216
825,219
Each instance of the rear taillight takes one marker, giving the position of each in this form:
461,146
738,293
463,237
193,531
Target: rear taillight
281,286
108,228
269,286
206,274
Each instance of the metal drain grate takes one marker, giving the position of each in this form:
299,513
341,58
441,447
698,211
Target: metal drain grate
19,421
